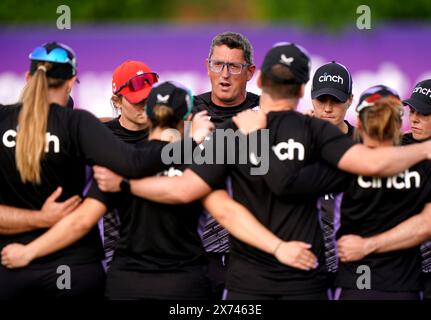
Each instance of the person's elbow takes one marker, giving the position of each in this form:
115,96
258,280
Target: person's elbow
375,168
182,196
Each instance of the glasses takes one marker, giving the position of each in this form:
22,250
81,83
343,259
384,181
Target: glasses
232,67
140,82
56,55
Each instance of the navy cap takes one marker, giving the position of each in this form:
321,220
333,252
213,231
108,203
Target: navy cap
420,100
332,79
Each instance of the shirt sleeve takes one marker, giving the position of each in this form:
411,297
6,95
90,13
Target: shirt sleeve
331,142
214,161
317,179
320,176
99,146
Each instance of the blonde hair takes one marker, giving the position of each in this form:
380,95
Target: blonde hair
382,121
32,123
163,117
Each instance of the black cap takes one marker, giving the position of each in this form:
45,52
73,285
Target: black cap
173,95
294,57
420,100
374,93
60,69
332,79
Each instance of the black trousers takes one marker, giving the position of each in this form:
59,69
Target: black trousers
232,295
40,282
351,294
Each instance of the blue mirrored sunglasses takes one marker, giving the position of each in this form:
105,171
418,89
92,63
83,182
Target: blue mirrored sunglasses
56,55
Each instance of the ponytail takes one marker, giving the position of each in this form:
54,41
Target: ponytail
163,117
383,120
32,124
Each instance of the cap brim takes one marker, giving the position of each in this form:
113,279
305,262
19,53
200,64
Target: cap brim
418,105
340,95
137,96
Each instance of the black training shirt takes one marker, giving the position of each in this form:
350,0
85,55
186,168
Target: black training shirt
155,237
74,138
295,141
220,114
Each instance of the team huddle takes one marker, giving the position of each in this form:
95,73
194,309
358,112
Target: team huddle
294,207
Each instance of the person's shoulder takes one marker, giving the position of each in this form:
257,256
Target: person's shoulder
408,139
287,114
253,98
112,124
203,98
80,116
9,107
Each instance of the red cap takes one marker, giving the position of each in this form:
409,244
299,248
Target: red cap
127,70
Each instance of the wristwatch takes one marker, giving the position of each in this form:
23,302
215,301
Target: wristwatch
125,185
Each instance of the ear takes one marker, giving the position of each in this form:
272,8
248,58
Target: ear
207,64
116,100
27,76
259,79
70,83
250,71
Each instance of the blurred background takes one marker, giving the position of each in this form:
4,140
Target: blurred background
173,37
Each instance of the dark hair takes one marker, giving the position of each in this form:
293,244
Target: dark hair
277,89
233,40
382,121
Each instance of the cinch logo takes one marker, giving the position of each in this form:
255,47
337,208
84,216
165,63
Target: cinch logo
332,78
425,91
287,150
401,181
10,135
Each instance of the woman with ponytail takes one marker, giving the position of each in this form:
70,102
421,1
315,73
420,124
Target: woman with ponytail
159,254
46,145
372,205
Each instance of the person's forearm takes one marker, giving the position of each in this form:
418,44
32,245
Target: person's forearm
407,234
240,222
400,159
69,229
382,161
158,189
16,220
171,190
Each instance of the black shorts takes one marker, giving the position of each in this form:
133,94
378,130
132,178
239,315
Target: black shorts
134,285
50,282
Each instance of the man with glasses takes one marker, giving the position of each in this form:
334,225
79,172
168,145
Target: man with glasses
230,66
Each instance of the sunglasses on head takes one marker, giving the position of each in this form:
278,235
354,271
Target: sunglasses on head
56,55
140,82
